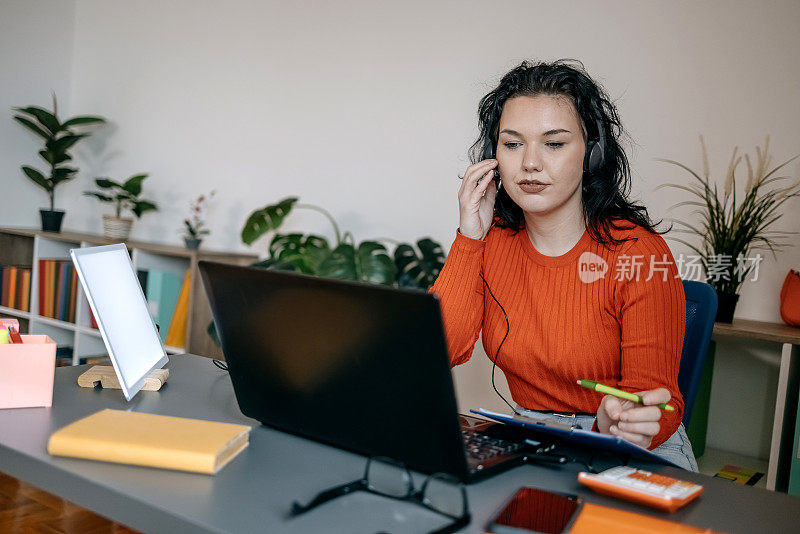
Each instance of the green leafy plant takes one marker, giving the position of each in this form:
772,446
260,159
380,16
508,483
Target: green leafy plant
368,261
194,225
59,137
124,196
731,230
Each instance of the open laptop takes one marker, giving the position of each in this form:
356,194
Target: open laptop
361,367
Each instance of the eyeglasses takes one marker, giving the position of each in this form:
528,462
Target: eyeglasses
440,492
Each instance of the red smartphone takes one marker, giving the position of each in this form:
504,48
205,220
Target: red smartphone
536,510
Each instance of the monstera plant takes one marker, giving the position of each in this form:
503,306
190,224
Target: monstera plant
368,261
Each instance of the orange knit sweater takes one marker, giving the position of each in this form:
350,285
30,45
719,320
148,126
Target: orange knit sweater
568,318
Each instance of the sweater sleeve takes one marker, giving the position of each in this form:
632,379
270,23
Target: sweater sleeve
460,292
652,310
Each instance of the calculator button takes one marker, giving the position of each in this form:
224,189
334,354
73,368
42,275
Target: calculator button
617,472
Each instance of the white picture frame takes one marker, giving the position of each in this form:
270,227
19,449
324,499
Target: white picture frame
120,309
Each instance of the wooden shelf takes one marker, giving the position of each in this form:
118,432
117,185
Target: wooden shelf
25,246
94,240
15,312
777,332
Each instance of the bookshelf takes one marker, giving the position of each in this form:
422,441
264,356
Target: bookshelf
25,247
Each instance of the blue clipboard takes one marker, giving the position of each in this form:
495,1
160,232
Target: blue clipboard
587,438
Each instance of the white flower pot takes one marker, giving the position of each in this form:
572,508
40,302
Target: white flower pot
116,227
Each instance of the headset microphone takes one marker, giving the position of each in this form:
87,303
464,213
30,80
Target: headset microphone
488,153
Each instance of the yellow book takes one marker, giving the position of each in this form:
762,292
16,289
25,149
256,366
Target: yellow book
151,440
176,335
25,297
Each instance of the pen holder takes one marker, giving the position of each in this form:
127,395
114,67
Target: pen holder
27,370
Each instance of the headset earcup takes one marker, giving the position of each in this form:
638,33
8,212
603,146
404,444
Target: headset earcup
593,159
587,158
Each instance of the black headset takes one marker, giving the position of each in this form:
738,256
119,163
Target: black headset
595,148
592,161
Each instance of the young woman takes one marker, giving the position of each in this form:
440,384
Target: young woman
566,278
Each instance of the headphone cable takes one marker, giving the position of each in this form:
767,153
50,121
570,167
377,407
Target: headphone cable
497,353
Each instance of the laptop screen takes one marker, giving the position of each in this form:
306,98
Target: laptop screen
358,366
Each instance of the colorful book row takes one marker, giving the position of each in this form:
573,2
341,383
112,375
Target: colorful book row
58,289
15,291
176,335
163,291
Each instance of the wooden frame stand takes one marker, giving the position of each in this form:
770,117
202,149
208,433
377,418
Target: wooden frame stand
107,378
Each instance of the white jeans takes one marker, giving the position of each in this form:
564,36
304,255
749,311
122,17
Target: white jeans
677,449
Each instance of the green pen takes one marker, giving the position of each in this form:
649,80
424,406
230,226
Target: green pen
608,390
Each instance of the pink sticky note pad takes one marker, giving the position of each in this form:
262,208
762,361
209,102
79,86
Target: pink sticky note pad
27,371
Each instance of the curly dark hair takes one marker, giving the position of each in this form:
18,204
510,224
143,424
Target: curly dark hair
605,192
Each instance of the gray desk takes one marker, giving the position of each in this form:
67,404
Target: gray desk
254,492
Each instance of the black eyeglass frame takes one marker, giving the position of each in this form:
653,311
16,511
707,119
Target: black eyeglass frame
411,494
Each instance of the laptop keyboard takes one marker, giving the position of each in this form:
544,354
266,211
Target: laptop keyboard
482,447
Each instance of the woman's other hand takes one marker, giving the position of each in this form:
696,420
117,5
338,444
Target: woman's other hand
476,199
631,421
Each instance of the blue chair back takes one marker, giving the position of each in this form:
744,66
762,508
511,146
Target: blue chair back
701,309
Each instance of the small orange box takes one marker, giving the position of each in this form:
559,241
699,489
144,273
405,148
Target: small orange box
27,371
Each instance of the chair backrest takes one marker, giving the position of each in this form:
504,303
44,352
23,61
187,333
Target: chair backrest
701,309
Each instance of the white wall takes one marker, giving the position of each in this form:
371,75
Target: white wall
35,59
367,108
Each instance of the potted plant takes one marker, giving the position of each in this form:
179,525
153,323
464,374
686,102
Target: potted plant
368,261
194,227
124,196
59,137
730,230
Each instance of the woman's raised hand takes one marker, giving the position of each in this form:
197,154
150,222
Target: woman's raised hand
476,199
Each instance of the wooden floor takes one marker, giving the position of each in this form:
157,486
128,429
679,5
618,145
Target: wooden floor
27,510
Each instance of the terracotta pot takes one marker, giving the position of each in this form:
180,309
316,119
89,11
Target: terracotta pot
116,227
790,299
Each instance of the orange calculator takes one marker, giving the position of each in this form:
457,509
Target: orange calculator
642,487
